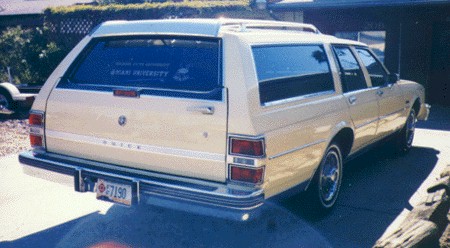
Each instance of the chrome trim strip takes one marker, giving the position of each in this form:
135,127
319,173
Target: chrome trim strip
149,96
297,149
393,113
367,123
298,98
136,147
379,118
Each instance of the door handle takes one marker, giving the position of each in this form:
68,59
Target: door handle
206,110
352,99
380,92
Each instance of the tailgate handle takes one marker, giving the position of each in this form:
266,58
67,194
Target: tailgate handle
206,110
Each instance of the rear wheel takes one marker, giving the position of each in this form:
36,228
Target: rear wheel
5,101
324,188
406,136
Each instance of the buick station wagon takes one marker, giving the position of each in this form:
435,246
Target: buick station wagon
215,116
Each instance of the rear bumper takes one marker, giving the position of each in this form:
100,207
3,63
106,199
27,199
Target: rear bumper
186,194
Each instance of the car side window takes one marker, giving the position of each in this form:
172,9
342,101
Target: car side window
352,76
290,71
377,74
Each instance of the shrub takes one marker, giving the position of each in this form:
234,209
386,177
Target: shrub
29,54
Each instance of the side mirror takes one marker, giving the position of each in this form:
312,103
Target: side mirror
393,78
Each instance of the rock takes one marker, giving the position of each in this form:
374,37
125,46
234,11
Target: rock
422,226
416,233
444,241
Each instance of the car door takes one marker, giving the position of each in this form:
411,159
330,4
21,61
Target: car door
390,101
361,99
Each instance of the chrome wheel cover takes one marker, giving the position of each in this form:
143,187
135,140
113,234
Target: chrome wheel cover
330,177
410,128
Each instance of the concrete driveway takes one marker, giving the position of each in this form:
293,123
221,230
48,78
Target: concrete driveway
377,187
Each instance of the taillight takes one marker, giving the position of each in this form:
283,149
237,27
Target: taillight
36,119
247,174
247,147
36,141
36,122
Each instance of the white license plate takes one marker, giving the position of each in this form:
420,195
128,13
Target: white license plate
115,192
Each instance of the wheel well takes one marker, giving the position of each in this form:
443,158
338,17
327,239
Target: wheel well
6,93
416,106
344,138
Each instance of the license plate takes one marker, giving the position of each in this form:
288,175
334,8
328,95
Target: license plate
115,192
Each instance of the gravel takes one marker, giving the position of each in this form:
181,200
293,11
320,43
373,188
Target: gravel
13,134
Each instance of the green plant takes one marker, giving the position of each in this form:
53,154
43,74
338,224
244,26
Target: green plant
29,54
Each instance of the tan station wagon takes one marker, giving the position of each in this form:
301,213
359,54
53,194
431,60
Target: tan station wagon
215,116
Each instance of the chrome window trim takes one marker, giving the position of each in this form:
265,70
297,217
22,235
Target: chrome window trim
298,98
297,149
150,96
74,64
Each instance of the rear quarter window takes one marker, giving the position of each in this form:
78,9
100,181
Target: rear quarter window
164,66
291,71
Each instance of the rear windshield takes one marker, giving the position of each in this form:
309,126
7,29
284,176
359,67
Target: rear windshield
291,71
168,66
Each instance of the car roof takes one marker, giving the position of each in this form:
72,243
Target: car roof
250,31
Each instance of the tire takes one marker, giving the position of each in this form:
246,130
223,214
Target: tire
405,137
6,102
324,189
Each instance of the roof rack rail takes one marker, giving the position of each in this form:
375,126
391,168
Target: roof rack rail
243,25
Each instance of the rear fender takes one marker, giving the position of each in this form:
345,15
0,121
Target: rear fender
11,89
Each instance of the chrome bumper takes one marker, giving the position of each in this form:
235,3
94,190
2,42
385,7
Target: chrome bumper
192,195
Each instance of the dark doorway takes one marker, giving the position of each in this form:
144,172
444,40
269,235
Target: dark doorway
440,65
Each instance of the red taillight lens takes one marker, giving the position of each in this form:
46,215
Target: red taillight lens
36,122
36,141
248,175
247,147
35,119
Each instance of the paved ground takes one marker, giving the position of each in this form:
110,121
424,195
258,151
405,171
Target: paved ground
377,187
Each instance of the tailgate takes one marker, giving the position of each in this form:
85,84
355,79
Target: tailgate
154,103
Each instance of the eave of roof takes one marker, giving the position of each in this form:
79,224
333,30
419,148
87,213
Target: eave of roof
340,4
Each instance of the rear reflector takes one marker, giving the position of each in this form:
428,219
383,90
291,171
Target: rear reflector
254,148
36,141
248,175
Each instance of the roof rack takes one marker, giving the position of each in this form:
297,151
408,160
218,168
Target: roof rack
201,27
243,25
